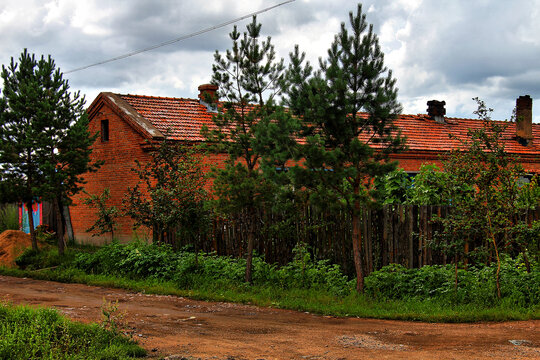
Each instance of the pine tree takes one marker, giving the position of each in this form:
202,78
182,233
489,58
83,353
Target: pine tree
248,78
44,138
344,149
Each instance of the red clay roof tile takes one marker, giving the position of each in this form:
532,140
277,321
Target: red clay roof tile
184,118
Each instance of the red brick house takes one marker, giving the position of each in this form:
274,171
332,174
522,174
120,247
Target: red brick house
125,122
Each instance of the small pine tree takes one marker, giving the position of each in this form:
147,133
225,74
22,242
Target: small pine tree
344,150
248,77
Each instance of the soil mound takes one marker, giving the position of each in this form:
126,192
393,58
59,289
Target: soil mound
12,244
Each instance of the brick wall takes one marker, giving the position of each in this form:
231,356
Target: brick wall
119,154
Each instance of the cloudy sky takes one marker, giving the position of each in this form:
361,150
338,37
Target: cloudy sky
449,50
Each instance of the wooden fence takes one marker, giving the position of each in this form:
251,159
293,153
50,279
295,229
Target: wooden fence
394,234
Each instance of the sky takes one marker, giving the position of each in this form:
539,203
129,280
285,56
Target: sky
451,50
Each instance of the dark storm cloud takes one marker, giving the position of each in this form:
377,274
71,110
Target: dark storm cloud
453,50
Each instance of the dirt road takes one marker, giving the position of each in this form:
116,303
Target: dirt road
167,325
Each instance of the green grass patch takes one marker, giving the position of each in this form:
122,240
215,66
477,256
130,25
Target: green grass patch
28,333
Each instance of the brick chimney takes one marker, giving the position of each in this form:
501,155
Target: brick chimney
208,96
207,92
436,110
524,118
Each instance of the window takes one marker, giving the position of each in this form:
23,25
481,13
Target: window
104,130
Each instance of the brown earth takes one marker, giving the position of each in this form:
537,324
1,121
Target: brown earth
12,244
168,325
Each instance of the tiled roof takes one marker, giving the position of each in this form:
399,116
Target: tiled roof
423,133
183,118
180,119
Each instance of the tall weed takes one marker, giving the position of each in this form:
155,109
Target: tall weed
9,217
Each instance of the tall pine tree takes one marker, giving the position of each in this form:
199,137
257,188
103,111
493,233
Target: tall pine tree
248,77
344,149
44,138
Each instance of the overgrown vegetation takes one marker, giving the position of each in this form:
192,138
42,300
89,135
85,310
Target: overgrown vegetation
333,153
9,217
106,215
170,193
304,284
28,333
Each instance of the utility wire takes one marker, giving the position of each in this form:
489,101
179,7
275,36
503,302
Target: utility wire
184,37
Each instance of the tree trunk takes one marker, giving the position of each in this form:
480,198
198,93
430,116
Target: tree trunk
31,225
498,275
60,226
249,256
357,247
526,259
69,227
155,234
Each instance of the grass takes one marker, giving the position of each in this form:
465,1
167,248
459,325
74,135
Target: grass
311,300
28,333
9,217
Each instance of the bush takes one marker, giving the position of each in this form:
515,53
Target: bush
188,270
47,257
475,285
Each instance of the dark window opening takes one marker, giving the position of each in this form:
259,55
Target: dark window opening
104,130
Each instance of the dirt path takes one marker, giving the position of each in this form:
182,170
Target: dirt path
167,325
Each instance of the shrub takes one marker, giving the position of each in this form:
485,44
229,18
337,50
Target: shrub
45,258
477,285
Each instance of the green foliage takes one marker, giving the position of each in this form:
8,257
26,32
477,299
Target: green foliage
135,259
44,334
430,187
393,187
529,194
343,150
44,138
170,192
248,76
474,286
106,215
191,270
485,191
9,217
45,258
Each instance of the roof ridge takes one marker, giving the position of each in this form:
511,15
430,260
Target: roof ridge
157,97
420,115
